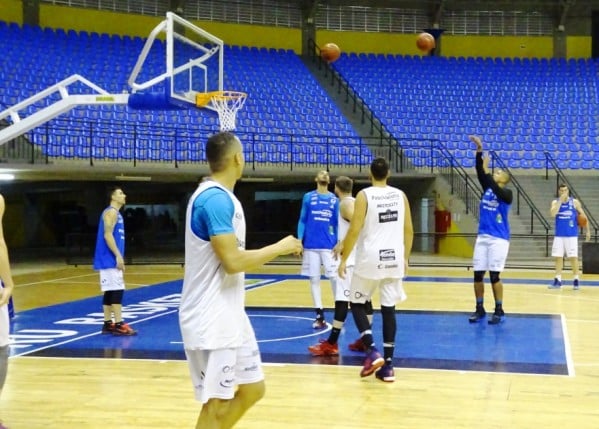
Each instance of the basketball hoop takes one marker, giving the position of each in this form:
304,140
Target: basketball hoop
225,103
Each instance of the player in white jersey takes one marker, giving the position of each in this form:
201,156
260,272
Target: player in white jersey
382,233
219,341
329,347
5,293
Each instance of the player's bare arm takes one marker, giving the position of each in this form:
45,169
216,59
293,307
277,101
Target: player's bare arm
110,220
355,226
236,260
554,208
408,232
5,273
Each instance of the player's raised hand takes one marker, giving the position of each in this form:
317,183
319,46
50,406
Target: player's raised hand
478,142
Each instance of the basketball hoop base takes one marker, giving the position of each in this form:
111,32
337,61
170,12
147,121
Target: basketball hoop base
225,103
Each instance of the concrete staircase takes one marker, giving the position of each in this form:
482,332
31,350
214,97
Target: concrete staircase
543,190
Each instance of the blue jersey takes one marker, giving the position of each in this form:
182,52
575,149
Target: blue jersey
494,205
211,213
103,257
319,219
566,224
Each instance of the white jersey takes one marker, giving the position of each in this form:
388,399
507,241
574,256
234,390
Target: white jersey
380,245
4,324
212,310
343,227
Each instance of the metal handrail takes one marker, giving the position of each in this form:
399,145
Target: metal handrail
521,193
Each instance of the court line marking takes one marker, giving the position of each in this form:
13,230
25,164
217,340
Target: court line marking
80,337
313,334
280,279
54,280
567,348
309,365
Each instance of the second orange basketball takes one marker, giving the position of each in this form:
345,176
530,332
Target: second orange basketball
330,52
425,42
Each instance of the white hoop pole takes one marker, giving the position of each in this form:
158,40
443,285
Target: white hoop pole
142,57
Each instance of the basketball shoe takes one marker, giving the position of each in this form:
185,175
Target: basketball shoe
575,284
123,329
324,348
357,346
556,284
478,314
386,373
497,318
107,328
319,323
373,361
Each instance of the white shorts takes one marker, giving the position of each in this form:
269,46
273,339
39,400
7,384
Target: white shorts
111,279
565,246
217,373
313,259
490,253
391,290
343,286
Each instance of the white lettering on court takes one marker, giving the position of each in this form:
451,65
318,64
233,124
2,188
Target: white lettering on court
28,337
131,312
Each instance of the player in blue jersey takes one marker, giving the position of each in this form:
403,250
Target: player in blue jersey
5,293
317,229
493,239
329,347
218,338
565,210
108,260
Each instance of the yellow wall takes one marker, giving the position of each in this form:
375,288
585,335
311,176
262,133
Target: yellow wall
139,25
493,46
455,45
378,43
255,35
290,38
578,47
11,11
90,20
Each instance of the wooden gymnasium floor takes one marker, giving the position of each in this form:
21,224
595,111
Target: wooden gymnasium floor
99,392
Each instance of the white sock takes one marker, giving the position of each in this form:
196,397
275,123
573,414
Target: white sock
316,293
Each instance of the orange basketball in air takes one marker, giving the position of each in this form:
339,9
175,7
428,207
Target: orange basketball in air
425,42
330,52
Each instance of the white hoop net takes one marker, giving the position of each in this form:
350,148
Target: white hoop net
226,104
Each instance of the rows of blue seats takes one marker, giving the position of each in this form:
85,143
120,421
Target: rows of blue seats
522,107
432,108
283,97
